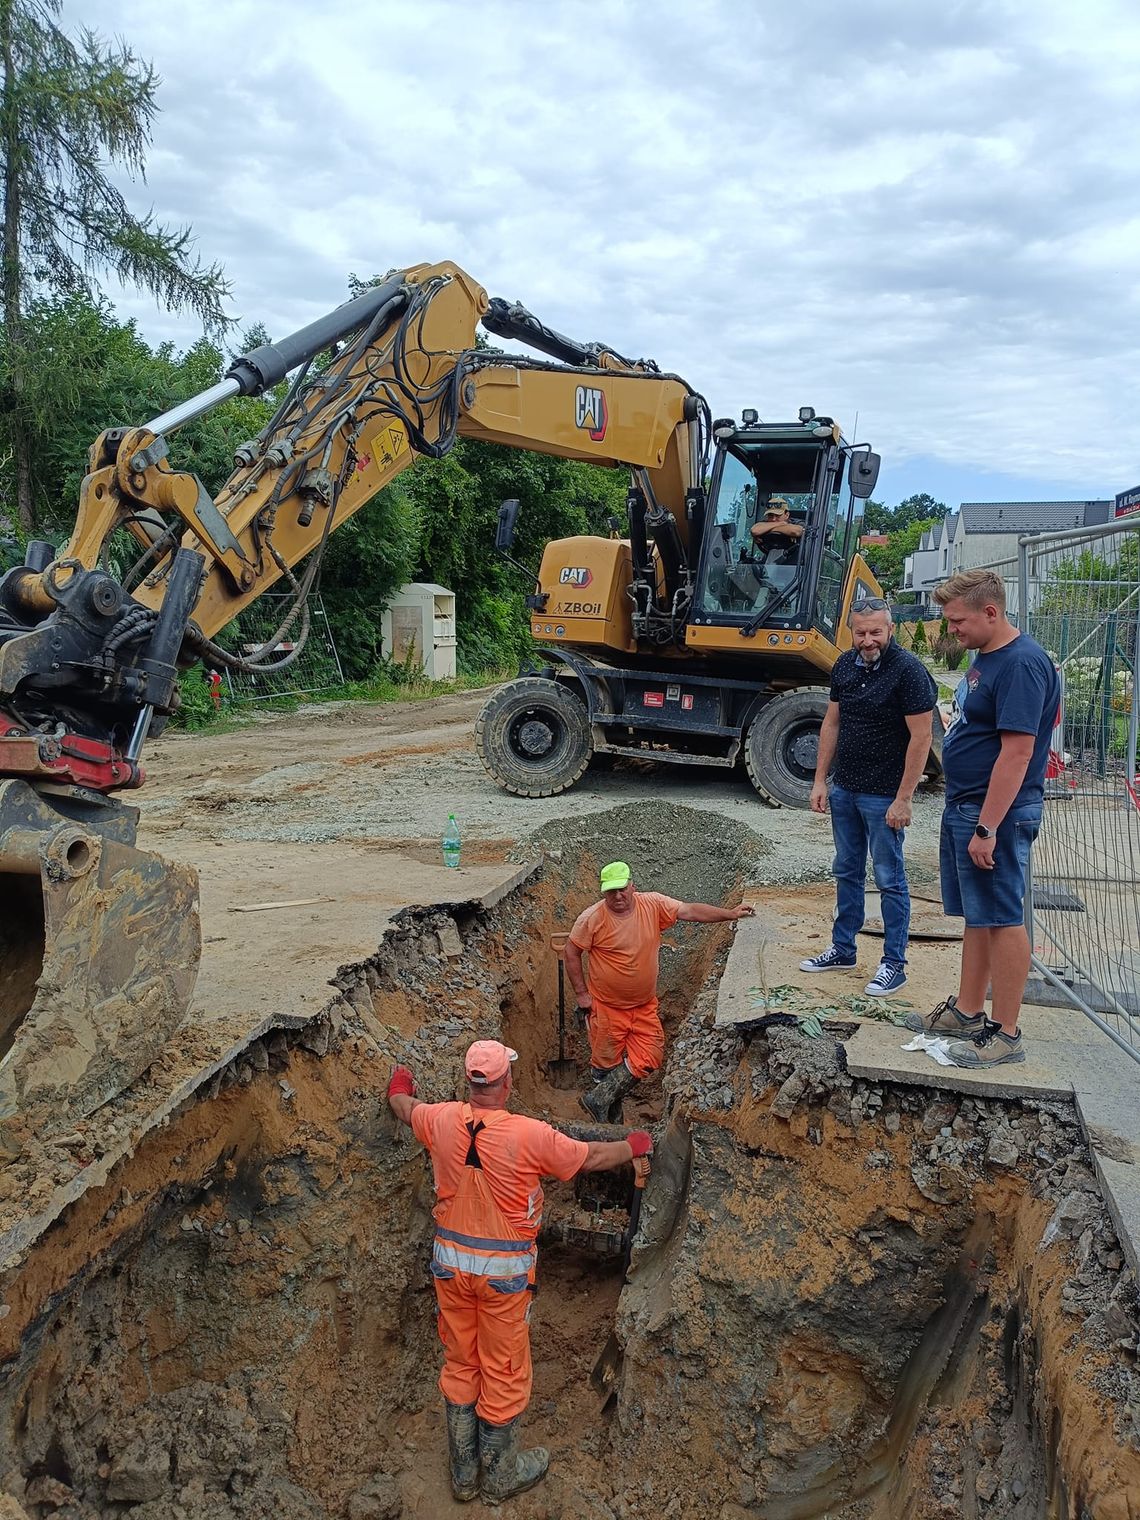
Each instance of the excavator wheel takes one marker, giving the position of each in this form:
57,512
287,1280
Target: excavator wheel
533,737
782,744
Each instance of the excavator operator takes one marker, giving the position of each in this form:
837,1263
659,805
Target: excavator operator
488,1166
777,539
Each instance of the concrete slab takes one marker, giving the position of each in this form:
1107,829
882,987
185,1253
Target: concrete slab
792,924
281,960
1120,1185
875,1053
1067,1056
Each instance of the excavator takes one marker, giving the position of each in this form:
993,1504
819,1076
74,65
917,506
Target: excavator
711,627
674,638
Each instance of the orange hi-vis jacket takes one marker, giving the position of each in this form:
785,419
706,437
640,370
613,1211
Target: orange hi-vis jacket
487,1222
471,1230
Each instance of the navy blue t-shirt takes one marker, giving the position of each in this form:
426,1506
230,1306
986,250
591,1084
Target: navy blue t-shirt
1014,689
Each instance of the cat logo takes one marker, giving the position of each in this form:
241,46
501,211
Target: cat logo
590,411
575,575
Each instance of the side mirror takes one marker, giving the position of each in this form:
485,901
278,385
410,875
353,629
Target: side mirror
863,473
505,532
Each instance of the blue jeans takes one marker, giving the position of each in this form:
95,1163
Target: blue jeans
859,824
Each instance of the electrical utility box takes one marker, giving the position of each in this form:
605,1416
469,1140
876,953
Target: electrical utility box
418,629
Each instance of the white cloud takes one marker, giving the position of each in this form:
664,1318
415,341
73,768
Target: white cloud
925,215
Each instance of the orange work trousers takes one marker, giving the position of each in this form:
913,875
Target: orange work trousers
486,1345
634,1035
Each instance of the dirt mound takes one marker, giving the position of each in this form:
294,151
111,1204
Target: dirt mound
683,852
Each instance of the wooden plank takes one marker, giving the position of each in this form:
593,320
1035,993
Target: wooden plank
296,902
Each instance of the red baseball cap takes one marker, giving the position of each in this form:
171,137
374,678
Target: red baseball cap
488,1061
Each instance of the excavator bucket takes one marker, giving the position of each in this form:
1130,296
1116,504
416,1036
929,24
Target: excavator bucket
99,951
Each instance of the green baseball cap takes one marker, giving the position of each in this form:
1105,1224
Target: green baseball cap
615,876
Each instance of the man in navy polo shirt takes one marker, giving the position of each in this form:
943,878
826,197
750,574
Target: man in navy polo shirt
877,731
994,757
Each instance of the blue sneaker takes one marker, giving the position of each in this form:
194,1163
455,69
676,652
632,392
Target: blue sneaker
831,960
889,978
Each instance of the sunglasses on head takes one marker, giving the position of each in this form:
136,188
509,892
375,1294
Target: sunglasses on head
870,604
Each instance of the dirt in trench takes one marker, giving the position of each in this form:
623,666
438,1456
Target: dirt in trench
240,1321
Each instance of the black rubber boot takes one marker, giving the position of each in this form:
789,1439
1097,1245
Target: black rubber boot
463,1450
507,1470
606,1096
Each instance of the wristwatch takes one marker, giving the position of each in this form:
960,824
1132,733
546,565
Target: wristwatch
983,833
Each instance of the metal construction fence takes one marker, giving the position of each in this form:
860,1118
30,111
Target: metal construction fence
316,668
1078,594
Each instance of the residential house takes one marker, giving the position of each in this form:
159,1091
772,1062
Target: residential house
985,533
930,561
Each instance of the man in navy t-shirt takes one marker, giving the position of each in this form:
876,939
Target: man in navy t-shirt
994,757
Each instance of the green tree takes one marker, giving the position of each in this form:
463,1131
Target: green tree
877,518
921,508
457,501
69,108
91,371
888,560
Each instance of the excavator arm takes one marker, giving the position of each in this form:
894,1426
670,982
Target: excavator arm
404,383
99,944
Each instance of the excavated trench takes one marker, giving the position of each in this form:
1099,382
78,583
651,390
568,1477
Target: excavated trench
846,1300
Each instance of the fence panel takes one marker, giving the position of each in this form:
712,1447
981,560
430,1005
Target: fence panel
317,667
1079,596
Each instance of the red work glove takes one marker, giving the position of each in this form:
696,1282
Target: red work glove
640,1142
402,1082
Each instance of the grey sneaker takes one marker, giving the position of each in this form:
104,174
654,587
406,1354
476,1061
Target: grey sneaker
947,1018
993,1047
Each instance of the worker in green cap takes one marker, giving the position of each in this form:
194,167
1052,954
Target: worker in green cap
621,934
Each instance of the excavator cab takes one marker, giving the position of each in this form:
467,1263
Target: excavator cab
782,526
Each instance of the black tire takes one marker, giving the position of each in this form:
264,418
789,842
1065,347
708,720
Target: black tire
781,747
533,737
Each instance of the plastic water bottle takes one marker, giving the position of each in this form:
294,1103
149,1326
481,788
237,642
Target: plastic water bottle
451,843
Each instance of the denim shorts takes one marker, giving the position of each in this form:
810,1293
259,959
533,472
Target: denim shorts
986,899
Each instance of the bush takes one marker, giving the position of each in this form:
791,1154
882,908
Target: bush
197,709
947,649
918,639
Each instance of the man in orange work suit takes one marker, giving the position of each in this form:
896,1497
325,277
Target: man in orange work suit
488,1167
622,935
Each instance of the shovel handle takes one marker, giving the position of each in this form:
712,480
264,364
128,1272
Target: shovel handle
558,943
640,1171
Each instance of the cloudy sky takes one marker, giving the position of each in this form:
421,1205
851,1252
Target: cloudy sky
923,216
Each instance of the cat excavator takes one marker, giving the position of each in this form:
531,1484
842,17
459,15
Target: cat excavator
679,636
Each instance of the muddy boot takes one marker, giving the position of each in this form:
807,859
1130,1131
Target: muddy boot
507,1470
615,1114
604,1095
463,1450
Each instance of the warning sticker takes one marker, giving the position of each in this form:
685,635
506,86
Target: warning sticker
389,445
